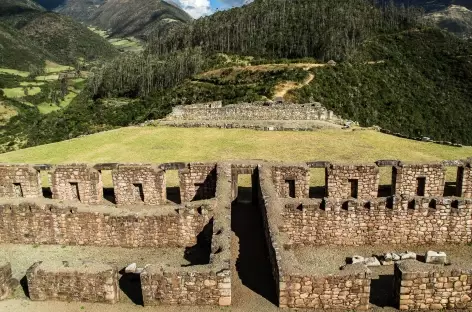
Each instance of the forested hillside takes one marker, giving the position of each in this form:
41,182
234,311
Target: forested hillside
394,69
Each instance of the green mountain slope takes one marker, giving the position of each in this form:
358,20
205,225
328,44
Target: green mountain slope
124,18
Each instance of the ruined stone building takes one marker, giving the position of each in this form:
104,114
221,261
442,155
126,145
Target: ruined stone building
351,209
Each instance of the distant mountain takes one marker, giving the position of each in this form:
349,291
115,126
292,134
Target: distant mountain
29,35
455,18
123,18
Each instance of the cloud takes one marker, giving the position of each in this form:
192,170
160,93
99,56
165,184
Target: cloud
196,8
233,3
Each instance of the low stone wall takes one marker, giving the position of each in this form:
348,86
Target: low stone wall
29,223
252,111
421,286
139,184
62,281
343,290
344,180
198,285
19,181
413,221
347,290
5,280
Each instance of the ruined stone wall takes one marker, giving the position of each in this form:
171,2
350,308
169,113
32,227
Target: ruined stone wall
347,290
19,181
91,282
139,184
30,223
253,111
197,182
77,182
464,180
341,179
5,280
408,221
297,288
291,181
421,286
406,179
203,285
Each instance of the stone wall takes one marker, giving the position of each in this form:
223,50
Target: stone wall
296,287
19,181
358,181
415,221
64,281
197,182
407,179
291,181
77,182
5,280
421,286
464,180
198,285
29,223
347,290
253,111
139,184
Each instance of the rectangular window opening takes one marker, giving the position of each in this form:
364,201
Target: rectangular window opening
173,186
420,186
108,188
386,182
452,185
244,190
290,188
138,192
17,190
74,190
45,184
317,182
354,183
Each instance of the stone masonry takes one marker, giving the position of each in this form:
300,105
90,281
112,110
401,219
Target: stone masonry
358,181
420,286
64,281
19,181
292,181
5,280
197,182
464,180
419,179
76,182
139,184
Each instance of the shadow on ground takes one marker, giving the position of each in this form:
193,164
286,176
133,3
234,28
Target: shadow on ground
253,264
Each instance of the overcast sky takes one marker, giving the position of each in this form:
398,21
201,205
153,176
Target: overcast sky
197,8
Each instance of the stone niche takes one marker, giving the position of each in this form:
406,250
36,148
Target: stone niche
197,182
291,181
76,182
18,181
77,281
139,184
6,280
419,180
352,181
421,286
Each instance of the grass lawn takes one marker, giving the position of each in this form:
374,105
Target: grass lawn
29,84
166,144
20,92
47,77
14,72
52,67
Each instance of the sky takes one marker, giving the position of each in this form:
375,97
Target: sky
198,8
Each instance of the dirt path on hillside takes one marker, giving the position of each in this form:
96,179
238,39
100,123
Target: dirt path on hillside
286,86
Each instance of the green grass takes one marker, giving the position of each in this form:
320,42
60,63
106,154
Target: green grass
47,77
163,144
14,72
29,84
46,108
20,92
52,67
